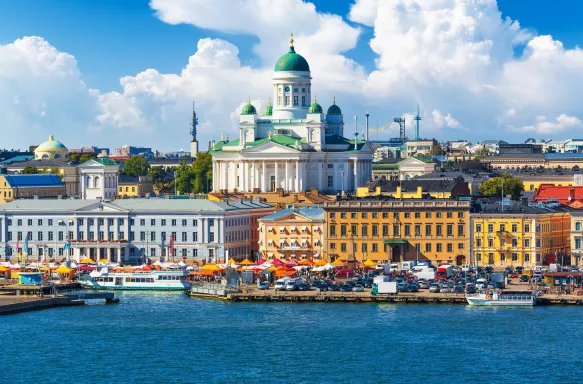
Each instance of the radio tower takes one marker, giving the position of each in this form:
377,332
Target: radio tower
417,120
193,142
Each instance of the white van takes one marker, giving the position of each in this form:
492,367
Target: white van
280,283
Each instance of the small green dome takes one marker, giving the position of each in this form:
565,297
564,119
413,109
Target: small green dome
249,109
315,108
268,110
334,109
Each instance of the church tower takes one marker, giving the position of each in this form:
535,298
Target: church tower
193,141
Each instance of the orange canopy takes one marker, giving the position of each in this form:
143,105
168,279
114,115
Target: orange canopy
338,262
370,263
246,262
206,272
284,272
210,267
320,263
305,262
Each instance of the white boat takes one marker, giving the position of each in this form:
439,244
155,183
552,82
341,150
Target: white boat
497,298
152,281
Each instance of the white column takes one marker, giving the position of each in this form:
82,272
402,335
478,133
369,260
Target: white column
243,166
225,175
253,176
320,170
302,175
102,185
287,184
263,175
355,174
297,181
276,174
214,176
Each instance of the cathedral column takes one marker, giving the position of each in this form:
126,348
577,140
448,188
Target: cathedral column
253,176
263,175
244,176
297,181
225,175
355,174
214,174
319,166
287,184
276,174
303,177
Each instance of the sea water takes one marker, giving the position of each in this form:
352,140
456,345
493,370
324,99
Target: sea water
172,338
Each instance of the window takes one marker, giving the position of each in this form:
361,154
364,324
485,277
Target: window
514,242
40,222
353,215
375,229
100,221
577,243
343,230
364,215
60,236
427,230
287,100
438,229
449,215
537,228
578,226
407,215
490,228
303,101
29,222
478,242
527,243
364,247
330,181
142,222
163,222
385,230
449,247
460,215
364,230
478,257
195,223
427,247
502,257
353,230
194,236
514,227
428,215
111,235
342,247
396,231
152,222
90,222
478,227
395,215
40,236
152,236
460,230
211,237
438,215
343,215
295,100
417,215
538,243
142,236
375,215
527,257
385,215
417,229
332,215
526,227
490,242
19,236
100,235
439,247
332,245
184,236
514,256
450,229
184,223
375,247
332,230
502,227
407,230
174,222
460,246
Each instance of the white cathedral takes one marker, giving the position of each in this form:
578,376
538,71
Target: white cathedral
293,145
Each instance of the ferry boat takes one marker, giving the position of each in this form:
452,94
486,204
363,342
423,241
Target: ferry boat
497,298
152,281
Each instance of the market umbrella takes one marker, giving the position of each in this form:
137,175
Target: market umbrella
305,263
260,262
292,263
4,269
246,262
320,263
63,270
338,262
86,261
277,262
103,261
370,263
231,261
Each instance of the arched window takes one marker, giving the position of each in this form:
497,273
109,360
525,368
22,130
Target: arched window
57,155
96,182
87,182
45,157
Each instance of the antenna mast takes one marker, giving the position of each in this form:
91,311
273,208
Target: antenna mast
417,120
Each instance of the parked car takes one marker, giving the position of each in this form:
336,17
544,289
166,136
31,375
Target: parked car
470,288
518,270
367,282
316,283
524,278
434,288
346,288
458,288
263,285
402,286
304,287
334,287
413,287
358,288
423,283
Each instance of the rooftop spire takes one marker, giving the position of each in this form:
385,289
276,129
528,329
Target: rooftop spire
291,39
269,102
315,100
334,102
248,100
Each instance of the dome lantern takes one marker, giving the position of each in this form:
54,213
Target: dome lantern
334,109
315,107
249,109
291,61
269,109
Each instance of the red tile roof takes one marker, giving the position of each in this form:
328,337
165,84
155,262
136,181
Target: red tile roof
563,195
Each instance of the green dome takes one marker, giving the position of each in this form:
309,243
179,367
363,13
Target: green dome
268,110
291,61
249,109
315,108
334,109
51,143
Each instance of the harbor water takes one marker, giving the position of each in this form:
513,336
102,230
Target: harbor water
171,338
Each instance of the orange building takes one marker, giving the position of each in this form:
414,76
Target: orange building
399,230
292,233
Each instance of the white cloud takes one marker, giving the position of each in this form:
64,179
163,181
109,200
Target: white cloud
561,124
457,58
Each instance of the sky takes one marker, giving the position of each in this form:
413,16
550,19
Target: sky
127,72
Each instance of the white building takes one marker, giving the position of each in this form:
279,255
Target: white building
293,145
98,179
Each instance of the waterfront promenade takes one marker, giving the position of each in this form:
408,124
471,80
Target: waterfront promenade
10,304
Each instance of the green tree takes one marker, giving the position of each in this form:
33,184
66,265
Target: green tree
160,178
87,156
481,153
494,187
30,170
75,157
185,178
203,172
136,166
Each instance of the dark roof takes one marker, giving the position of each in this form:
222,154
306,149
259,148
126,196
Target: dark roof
28,181
125,179
494,205
39,164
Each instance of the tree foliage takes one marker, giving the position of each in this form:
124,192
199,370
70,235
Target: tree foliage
30,170
160,178
136,166
512,186
195,177
87,156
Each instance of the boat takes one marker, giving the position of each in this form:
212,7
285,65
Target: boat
497,298
173,280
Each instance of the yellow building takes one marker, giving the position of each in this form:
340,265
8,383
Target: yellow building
520,235
130,186
415,189
399,230
14,187
292,233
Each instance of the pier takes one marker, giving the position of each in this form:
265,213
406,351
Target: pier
16,304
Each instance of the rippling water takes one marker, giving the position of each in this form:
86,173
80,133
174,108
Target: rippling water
169,337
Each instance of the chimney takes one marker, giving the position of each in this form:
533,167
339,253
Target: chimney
314,191
572,194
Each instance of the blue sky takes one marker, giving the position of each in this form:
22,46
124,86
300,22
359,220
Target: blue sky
113,39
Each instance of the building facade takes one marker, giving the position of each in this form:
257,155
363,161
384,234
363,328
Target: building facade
140,186
403,230
14,187
128,231
99,179
293,145
520,235
292,233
